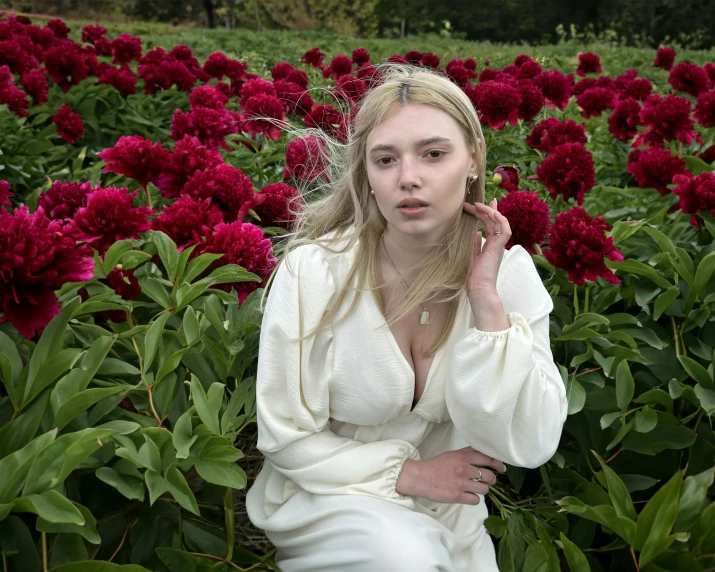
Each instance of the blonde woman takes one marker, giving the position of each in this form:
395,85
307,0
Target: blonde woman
404,355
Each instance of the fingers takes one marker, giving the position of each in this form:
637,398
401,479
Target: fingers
478,488
481,460
494,221
488,477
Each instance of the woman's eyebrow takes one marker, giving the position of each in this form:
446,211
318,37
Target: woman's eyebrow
420,143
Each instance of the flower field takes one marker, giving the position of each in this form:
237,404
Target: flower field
143,194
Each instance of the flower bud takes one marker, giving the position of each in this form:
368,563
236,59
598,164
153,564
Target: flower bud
507,177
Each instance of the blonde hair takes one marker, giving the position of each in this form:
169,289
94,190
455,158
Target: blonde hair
346,206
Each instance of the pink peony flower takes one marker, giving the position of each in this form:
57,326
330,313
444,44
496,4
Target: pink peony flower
216,65
62,200
625,119
243,244
696,193
655,168
579,245
588,62
705,109
208,96
689,78
666,119
14,98
188,221
69,124
568,171
275,210
37,257
550,133
339,66
109,216
351,88
255,87
638,89
188,157
528,218
228,188
135,157
664,58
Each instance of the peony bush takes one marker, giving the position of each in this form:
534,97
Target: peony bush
142,200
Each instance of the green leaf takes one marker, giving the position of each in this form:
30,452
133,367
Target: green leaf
707,399
179,489
656,520
617,491
198,265
71,408
656,397
152,338
206,407
182,436
15,467
155,290
635,267
190,325
704,273
219,449
183,259
170,364
692,499
133,258
697,372
696,165
51,506
55,366
663,302
149,454
88,530
98,566
574,557
667,434
221,473
166,248
624,386
111,257
128,486
156,484
10,366
19,432
576,395
646,420
112,366
603,514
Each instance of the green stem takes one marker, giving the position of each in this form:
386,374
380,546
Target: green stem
585,301
4,562
44,552
545,478
229,516
575,301
675,336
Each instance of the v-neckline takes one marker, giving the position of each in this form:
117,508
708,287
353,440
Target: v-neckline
396,348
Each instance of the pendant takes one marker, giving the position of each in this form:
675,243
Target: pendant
424,317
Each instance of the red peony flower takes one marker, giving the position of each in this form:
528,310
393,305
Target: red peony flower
360,57
579,245
14,98
324,117
243,244
103,46
305,159
568,171
208,96
255,87
37,257
295,98
161,70
528,218
5,194
69,124
275,210
666,118
709,67
638,89
314,57
339,66
92,33
532,100
109,216
507,177
228,188
655,168
556,88
351,88
497,103
708,155
216,65
550,133
65,64
35,83
135,157
188,221
690,78
705,109
696,193
595,100
623,122
299,77
126,48
59,28
183,53
121,79
62,200
263,105
188,157
124,283
588,62
210,126
664,58
529,70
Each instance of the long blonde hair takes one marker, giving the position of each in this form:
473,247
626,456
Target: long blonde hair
346,206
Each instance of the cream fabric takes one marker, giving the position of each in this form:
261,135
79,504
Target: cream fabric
335,425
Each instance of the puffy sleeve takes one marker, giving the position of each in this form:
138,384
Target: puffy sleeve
504,392
292,393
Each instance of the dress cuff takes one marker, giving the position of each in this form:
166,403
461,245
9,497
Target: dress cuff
409,453
515,319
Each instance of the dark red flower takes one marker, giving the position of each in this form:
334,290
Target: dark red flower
263,105
556,88
280,200
431,60
188,221
360,56
59,28
528,218
243,244
666,119
550,133
207,96
37,257
664,58
135,157
125,284
579,245
92,33
351,88
299,77
295,98
532,100
14,55
370,74
623,122
161,70
568,171
65,64
121,79
588,62
183,54
488,74
595,100
103,46
62,200
696,193
638,89
35,83
689,78
459,74
188,157
705,109
708,155
216,65
210,126
5,194
305,159
324,117
507,177
339,66
314,57
655,168
14,98
497,103
69,124
126,48
584,84
228,188
109,216
529,70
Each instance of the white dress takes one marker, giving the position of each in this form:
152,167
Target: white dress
335,425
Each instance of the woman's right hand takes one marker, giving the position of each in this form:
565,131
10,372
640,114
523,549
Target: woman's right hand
448,477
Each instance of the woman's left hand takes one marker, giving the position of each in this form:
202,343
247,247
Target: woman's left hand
487,260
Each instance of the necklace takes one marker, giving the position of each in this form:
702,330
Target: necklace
424,314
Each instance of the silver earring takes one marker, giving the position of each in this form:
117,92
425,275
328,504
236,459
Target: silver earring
475,176
372,192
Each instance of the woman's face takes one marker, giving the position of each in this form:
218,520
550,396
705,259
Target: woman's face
419,153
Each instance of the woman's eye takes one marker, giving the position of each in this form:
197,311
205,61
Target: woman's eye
381,159
440,153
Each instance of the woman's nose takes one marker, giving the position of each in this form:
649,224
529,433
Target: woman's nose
408,173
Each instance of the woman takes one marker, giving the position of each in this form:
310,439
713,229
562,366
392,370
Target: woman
365,401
